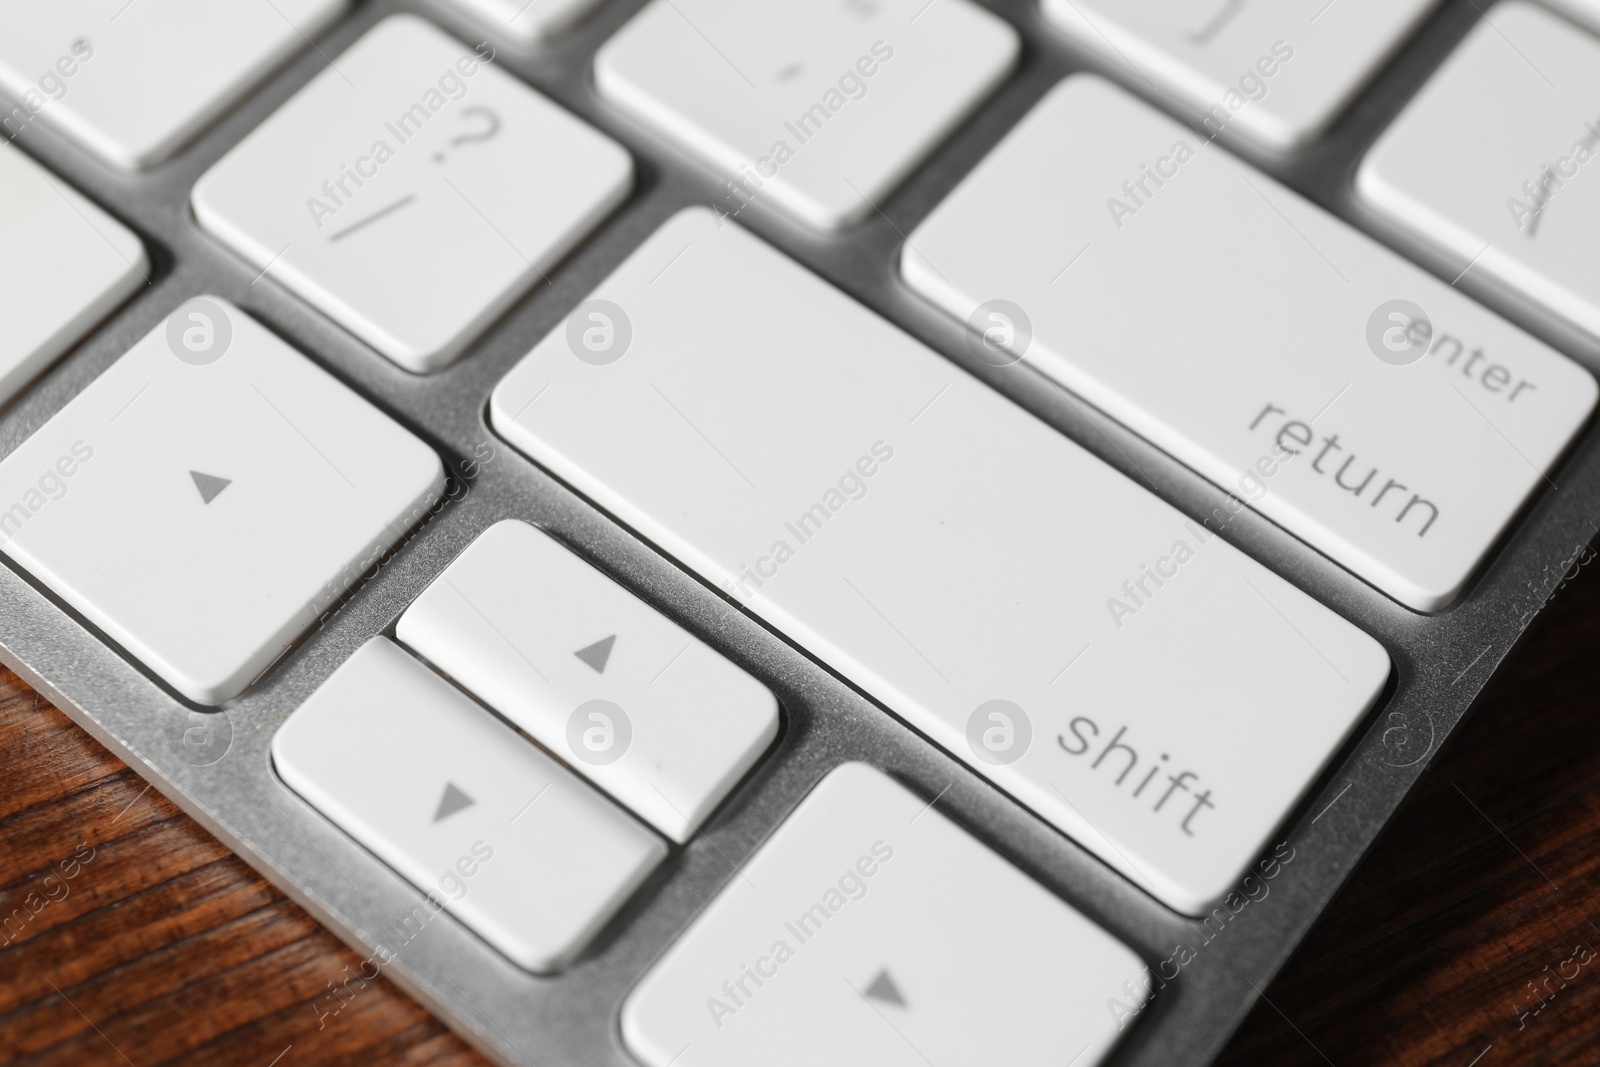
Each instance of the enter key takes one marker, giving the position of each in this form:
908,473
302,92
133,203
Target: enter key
1364,405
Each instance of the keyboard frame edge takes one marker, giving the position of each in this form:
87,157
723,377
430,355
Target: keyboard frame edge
1441,662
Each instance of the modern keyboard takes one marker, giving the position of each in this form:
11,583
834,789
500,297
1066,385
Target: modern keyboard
849,531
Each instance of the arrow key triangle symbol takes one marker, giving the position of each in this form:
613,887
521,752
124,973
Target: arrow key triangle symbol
884,989
209,485
597,654
454,800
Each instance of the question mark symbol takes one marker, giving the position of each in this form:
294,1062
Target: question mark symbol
472,137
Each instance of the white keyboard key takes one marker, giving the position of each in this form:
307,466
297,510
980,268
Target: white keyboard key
864,497
821,107
64,266
1246,331
135,80
1275,73
527,22
870,931
1584,11
414,192
620,693
490,828
206,498
1496,162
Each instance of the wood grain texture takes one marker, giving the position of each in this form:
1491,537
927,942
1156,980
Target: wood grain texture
162,948
129,937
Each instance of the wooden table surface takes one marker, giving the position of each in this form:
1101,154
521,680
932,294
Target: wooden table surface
132,938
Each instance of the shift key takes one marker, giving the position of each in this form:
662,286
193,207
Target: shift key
948,553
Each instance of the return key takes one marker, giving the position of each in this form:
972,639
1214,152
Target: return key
1364,405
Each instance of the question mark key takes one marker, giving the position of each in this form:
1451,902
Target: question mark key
415,211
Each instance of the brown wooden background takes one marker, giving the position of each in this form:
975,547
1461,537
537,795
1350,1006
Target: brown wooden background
164,949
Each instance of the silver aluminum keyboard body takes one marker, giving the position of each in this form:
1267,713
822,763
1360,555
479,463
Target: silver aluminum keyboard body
1441,662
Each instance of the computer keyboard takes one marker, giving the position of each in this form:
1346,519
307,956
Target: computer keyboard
851,531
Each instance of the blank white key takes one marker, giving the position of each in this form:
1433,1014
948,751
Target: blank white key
1497,161
870,931
212,493
1248,333
135,82
64,265
414,192
1275,73
623,695
527,22
490,828
1584,11
821,107
865,497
